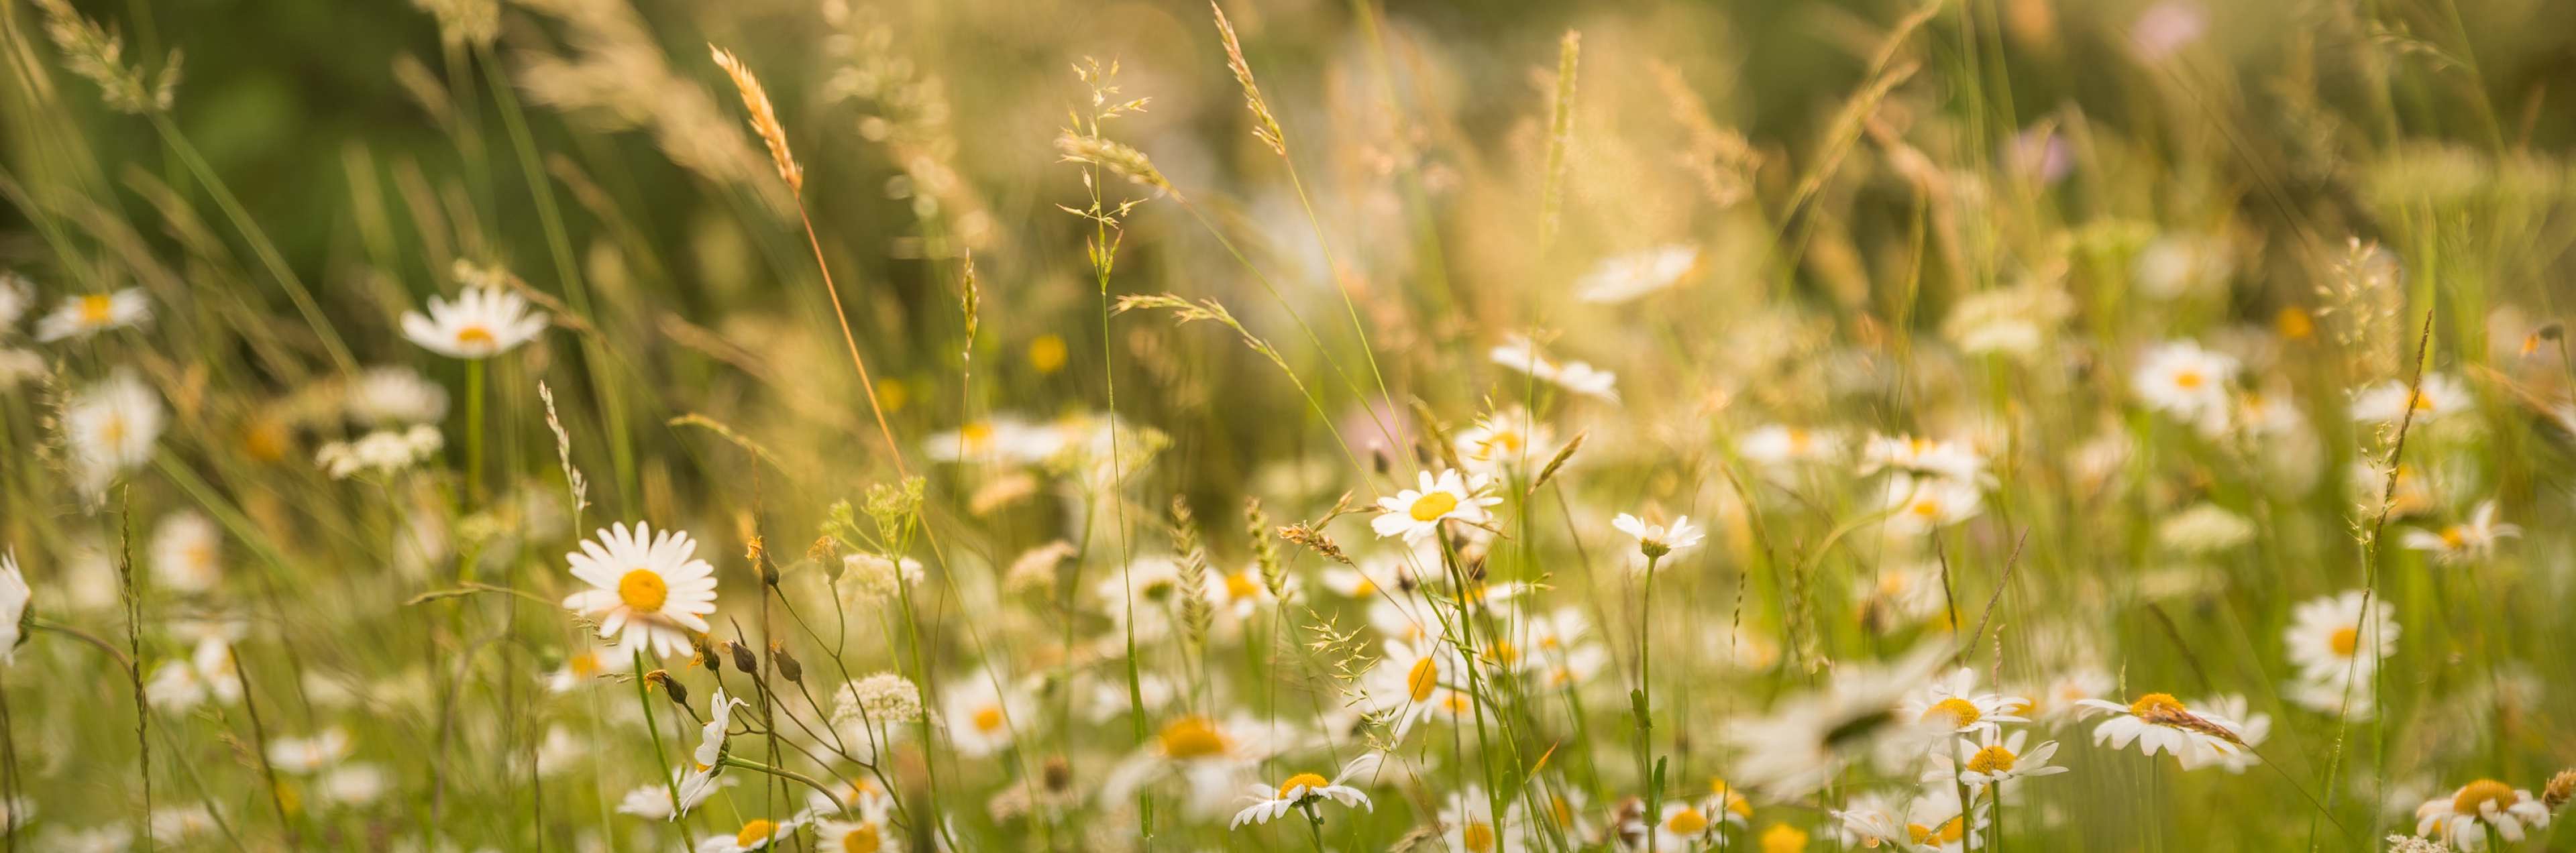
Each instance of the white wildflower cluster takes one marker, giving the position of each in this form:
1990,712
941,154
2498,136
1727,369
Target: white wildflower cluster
380,453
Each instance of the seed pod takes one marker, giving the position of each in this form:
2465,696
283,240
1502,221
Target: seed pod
787,666
744,659
679,694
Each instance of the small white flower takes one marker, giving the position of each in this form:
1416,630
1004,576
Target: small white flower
756,834
650,591
110,428
90,314
1504,440
1777,446
1919,506
1994,758
1657,540
381,453
395,395
2437,396
1621,278
2183,380
483,322
1952,703
1416,514
2328,635
2465,542
2158,722
982,717
1305,789
1521,354
2463,818
1922,457
304,755
187,552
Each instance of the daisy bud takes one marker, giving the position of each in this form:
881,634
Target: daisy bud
787,666
744,659
1058,773
2551,332
822,551
1380,461
2560,789
679,694
701,654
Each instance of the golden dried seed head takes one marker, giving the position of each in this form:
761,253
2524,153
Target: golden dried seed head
764,117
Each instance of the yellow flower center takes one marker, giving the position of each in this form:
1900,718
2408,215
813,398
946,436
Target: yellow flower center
2344,641
642,589
112,432
1047,353
474,334
2421,401
2188,380
1783,838
862,840
1240,586
1192,737
1477,836
583,665
755,832
2474,797
988,719
1926,507
1992,759
1502,652
97,309
1686,821
1364,588
1419,681
1962,713
1432,505
1308,781
2154,702
1734,802
2454,537
1949,832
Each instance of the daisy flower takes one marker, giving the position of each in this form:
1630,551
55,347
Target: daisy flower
187,552
301,755
650,591
14,596
653,801
1872,820
580,668
1952,703
1521,354
2158,722
1621,278
2465,542
1993,758
2180,379
2328,635
866,836
1778,446
1920,506
1304,790
1657,540
2438,395
1467,822
109,428
1410,681
2463,818
1211,759
756,834
1726,804
81,316
1912,455
1807,739
1934,823
1682,826
381,453
483,322
1416,514
395,395
981,715
1504,440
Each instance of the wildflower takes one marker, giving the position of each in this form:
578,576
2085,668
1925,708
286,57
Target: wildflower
1579,377
877,700
483,322
304,755
2465,542
2328,635
1502,441
2160,723
2205,528
1922,457
110,428
1413,678
1952,703
650,591
381,453
579,668
1657,540
81,316
395,395
1468,823
1416,514
756,834
14,596
2183,380
1304,790
1207,756
1783,838
982,715
1775,447
2463,818
1993,758
187,552
866,836
2435,396
868,579
2014,321
1726,804
1622,278
653,801
1682,826
1806,739
711,736
353,785
1920,506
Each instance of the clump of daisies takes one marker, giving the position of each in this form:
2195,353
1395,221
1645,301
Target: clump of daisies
380,453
